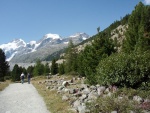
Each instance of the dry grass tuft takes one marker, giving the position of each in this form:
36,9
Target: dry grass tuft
3,85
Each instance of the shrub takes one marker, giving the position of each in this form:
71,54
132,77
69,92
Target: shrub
7,77
2,79
125,70
109,104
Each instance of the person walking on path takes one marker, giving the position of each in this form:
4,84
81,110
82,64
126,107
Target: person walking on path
29,77
22,78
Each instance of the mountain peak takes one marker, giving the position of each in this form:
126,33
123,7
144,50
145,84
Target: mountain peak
84,36
52,36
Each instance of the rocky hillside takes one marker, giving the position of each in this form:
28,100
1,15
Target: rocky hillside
117,34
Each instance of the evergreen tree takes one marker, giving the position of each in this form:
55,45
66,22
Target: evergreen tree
137,35
30,69
24,70
98,29
46,68
4,67
54,67
38,69
71,58
61,69
16,72
101,47
80,66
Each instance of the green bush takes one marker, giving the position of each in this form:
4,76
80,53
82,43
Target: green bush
125,70
2,79
112,103
7,77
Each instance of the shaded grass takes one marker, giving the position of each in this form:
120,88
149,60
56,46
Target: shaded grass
53,100
3,85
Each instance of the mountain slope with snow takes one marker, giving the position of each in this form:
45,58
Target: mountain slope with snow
20,51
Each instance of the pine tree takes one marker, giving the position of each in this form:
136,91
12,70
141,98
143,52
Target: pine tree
80,66
71,58
101,47
98,29
61,69
46,68
30,69
16,72
38,69
4,67
54,67
137,35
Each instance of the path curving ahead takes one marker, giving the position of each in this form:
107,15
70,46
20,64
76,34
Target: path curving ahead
21,98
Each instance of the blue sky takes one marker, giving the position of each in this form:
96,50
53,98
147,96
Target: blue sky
32,19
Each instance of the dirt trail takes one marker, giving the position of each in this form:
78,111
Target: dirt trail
21,98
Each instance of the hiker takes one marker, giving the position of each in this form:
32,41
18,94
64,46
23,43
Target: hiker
29,77
22,78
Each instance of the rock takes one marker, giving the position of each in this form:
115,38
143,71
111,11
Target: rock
100,90
73,91
55,87
74,79
132,111
78,94
97,85
48,77
92,96
76,104
65,83
47,87
86,91
138,99
65,98
107,90
70,81
83,77
60,87
84,96
93,87
66,90
78,78
147,100
81,109
109,94
84,86
39,82
114,89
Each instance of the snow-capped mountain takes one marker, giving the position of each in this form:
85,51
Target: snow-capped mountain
20,51
12,48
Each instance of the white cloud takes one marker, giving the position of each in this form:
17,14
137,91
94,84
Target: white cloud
147,2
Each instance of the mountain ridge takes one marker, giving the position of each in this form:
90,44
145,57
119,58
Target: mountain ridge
20,51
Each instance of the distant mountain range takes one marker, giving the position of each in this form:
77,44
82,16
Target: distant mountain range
18,51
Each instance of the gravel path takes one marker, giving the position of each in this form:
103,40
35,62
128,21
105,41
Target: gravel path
21,98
